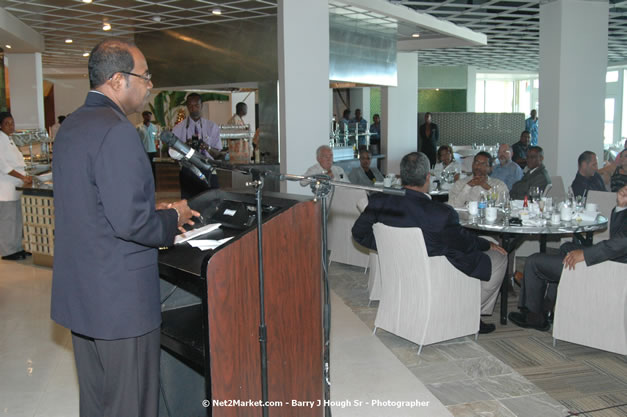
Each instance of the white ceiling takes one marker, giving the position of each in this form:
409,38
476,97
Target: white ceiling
512,27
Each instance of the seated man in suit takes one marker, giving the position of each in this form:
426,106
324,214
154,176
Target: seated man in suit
444,236
540,268
364,174
587,177
536,175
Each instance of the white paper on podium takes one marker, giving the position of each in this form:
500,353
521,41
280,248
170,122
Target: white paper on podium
184,237
206,244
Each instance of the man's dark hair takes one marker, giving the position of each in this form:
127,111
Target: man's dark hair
364,150
428,114
525,131
107,58
239,107
586,157
4,115
346,113
537,149
414,169
487,155
145,112
60,119
445,148
376,115
192,96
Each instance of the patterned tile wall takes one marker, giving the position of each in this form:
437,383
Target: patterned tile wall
469,128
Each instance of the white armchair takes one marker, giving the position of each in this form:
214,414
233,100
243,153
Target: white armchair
424,300
342,216
591,307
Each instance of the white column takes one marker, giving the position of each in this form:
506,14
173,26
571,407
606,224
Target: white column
360,99
471,89
26,90
303,85
573,63
399,108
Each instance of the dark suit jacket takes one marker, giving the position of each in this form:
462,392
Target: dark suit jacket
614,248
429,144
539,178
105,277
440,227
582,184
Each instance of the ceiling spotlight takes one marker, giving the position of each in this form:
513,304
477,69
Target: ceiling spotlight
106,26
415,35
68,41
8,46
216,12
86,1
156,19
85,54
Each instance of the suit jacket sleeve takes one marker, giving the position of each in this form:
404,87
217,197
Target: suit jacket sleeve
126,190
362,229
614,248
461,239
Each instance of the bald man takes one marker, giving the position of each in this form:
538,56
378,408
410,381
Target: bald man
506,170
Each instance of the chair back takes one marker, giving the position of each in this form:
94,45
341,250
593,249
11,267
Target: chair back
342,216
606,202
556,192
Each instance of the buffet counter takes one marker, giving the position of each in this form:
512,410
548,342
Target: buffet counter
38,222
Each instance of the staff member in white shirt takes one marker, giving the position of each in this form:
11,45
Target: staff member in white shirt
12,174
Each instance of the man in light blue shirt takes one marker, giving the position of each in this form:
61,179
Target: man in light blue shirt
507,170
531,125
148,133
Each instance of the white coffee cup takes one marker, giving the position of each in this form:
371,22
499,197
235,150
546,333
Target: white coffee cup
555,219
592,207
473,208
490,213
566,213
387,182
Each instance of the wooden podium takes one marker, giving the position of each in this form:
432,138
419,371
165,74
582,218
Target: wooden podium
220,336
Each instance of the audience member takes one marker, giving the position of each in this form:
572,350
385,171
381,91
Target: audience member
531,125
365,174
324,166
587,177
375,134
428,138
443,235
204,136
521,148
541,269
360,127
447,163
619,177
506,170
55,127
148,133
536,175
470,189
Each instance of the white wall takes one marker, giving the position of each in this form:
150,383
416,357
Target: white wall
69,94
399,130
26,89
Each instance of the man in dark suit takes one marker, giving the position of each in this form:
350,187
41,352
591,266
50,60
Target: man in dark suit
540,268
440,226
428,139
105,285
535,176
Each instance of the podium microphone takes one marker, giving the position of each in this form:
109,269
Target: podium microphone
186,152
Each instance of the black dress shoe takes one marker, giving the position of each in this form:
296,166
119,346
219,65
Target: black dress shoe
486,327
528,321
17,256
23,252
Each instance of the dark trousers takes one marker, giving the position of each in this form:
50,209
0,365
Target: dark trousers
118,377
540,270
151,156
191,185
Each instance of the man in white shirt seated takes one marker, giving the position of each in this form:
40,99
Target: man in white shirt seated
324,156
470,189
506,170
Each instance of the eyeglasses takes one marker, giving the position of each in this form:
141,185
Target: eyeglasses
146,77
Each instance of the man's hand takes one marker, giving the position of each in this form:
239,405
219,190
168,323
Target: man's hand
573,258
27,180
480,181
621,197
185,213
498,248
163,206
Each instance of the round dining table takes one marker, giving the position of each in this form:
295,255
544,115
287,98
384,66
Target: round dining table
512,236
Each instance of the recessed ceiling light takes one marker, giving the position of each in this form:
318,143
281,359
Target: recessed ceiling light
8,46
85,54
86,1
415,35
106,26
156,19
68,41
216,12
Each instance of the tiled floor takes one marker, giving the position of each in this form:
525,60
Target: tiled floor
511,372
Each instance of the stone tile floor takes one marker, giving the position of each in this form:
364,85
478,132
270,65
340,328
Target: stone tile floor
511,372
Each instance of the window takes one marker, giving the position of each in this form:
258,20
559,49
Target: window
611,77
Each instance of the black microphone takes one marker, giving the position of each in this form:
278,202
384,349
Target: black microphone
188,153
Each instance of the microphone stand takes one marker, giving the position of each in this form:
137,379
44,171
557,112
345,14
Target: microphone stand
321,185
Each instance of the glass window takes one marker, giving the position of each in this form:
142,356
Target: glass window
611,77
480,96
